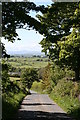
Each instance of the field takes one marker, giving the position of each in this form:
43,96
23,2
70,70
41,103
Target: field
25,62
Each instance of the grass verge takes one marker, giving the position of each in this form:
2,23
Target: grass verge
65,95
12,97
10,104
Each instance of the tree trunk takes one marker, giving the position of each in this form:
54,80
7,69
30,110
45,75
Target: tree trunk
77,74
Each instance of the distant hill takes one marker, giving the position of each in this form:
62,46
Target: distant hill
26,53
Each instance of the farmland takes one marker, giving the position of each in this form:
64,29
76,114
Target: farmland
28,62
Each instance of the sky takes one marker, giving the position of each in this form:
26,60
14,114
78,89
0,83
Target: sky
29,39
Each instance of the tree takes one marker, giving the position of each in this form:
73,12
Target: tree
46,79
15,15
5,77
59,21
69,54
28,76
55,23
3,51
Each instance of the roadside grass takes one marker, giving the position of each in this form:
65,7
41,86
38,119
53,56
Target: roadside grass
65,102
65,92
65,95
13,95
12,98
10,104
68,104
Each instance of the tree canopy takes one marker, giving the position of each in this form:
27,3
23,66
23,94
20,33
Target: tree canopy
55,23
28,76
62,45
16,16
69,54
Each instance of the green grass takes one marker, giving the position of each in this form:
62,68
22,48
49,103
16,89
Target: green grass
12,98
65,92
13,95
67,104
65,95
32,62
37,87
11,103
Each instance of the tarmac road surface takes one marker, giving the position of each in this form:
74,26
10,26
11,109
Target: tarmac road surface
40,107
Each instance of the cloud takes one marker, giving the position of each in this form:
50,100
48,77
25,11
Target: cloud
21,46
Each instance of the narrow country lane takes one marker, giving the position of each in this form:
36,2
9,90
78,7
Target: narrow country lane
40,107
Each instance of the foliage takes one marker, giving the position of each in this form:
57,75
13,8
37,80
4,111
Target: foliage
69,54
65,93
58,22
5,77
46,79
7,84
67,88
11,103
28,76
55,25
67,104
15,15
50,75
56,74
18,63
40,72
62,44
61,88
12,93
3,51
36,86
75,112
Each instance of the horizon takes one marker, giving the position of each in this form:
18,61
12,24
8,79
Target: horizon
26,53
30,39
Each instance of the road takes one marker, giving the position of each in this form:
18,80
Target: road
40,107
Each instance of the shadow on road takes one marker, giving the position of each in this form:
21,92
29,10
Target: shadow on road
75,113
39,115
34,104
40,107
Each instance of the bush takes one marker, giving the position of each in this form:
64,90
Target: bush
10,104
65,93
57,73
67,88
75,113
36,86
12,94
46,79
28,76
